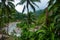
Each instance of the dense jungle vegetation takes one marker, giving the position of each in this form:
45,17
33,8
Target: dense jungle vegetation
37,25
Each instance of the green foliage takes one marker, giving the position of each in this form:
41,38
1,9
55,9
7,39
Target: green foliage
27,21
46,33
51,32
41,19
5,12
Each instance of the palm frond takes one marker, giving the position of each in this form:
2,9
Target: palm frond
51,2
11,5
23,9
32,7
35,4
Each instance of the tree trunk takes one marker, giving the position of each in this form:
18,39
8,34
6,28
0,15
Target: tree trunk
47,21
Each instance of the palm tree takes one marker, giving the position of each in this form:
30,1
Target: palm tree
49,8
31,3
55,7
6,9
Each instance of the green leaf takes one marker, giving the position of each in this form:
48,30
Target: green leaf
41,31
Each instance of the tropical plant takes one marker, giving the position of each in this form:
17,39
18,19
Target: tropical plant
6,10
46,33
31,3
51,30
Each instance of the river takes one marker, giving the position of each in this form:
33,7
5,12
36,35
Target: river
13,27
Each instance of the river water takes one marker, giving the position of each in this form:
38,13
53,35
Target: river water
13,27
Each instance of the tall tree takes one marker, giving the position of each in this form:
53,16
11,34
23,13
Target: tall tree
31,3
49,9
6,9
